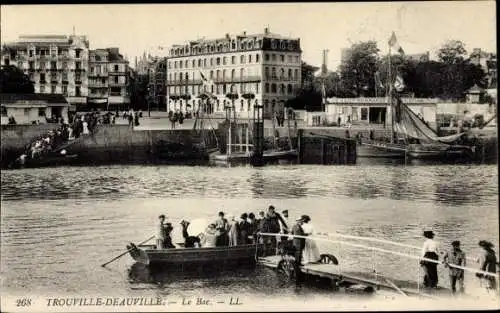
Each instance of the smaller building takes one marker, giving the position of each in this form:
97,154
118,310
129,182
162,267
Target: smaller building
33,108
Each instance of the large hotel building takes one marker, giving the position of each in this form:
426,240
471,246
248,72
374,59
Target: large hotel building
59,64
266,65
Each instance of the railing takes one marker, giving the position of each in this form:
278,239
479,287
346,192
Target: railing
373,249
281,79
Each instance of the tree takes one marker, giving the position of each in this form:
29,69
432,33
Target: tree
13,80
139,93
452,52
308,75
358,69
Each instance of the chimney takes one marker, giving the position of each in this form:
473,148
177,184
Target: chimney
266,30
244,33
227,36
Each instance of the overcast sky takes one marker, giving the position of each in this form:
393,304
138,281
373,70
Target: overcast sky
419,27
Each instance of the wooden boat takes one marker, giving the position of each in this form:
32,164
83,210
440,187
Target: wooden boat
269,155
375,149
46,161
225,256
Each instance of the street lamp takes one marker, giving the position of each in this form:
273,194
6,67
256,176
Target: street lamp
258,131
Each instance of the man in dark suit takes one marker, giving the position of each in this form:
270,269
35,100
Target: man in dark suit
298,243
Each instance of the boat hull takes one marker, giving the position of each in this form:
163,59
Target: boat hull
380,150
243,157
194,257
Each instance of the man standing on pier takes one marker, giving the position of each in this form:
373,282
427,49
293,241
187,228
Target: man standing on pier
299,245
455,257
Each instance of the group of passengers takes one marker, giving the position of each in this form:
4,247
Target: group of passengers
229,231
45,143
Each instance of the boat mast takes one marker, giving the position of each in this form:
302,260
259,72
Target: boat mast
390,96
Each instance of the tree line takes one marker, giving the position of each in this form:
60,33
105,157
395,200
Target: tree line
364,73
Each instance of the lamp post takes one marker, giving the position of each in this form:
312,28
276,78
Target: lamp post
258,132
249,97
228,118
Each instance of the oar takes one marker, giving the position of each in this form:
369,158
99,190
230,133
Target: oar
116,258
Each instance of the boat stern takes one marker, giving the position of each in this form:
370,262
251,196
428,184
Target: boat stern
138,254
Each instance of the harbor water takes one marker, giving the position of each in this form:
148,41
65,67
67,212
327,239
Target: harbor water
60,224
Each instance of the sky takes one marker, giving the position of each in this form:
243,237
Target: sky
419,26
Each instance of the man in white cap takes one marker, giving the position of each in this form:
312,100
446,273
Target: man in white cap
160,235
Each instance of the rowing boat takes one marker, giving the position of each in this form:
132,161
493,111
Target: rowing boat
227,255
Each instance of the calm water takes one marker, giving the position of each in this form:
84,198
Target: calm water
59,225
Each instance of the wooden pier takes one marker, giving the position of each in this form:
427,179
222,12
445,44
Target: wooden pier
350,279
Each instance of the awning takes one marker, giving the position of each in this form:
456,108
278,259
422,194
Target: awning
97,100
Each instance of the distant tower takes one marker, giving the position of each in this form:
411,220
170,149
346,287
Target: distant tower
136,62
74,32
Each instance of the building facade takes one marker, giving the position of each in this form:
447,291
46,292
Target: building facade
98,78
55,64
117,80
33,108
266,65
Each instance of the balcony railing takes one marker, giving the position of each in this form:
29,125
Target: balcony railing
54,80
93,85
115,94
281,79
43,81
78,81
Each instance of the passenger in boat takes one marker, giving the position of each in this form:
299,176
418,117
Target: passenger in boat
189,241
430,251
260,225
310,253
272,225
209,238
284,226
222,227
233,232
160,235
243,228
488,263
455,257
167,242
252,227
298,243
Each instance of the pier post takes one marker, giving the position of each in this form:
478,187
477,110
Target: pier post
322,151
299,146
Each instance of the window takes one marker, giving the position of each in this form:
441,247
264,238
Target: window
217,74
224,74
266,72
4,111
78,78
31,65
186,64
116,68
274,105
27,111
257,58
364,114
42,89
242,59
273,88
53,65
242,106
169,64
290,59
211,74
77,53
65,90
242,71
273,57
78,91
52,89
289,89
193,63
175,76
224,60
266,88
282,89
282,56
224,90
219,89
175,64
31,53
250,58
116,79
296,59
290,73
233,73
282,73
211,61
273,73
180,64
296,74
103,81
212,91
42,78
266,104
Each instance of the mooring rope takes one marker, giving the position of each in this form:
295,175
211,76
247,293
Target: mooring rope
386,251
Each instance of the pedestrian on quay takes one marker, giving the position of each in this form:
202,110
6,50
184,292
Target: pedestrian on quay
488,261
430,251
455,257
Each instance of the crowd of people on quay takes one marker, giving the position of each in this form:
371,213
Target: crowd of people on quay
453,259
232,231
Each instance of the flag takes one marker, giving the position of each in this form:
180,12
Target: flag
393,43
399,84
378,81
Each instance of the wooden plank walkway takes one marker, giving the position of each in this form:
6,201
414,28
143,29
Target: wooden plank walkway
335,272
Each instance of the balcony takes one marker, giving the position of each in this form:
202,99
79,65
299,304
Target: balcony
78,81
280,79
43,81
54,80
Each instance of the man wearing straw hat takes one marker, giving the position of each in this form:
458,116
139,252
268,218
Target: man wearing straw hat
455,257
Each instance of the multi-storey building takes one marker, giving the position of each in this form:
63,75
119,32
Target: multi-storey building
117,80
55,64
98,78
266,65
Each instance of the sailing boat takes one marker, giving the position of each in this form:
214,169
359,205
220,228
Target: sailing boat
411,137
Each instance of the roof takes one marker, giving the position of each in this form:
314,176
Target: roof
475,89
49,98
